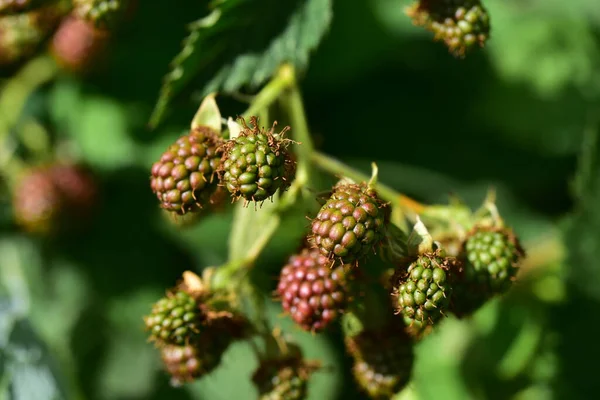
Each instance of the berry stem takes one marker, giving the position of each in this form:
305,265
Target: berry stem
271,92
335,167
13,96
292,102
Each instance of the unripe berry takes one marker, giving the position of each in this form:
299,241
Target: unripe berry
284,377
351,224
103,14
461,24
188,362
21,34
383,360
422,292
491,259
256,163
175,319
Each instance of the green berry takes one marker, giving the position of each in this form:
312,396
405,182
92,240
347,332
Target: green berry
461,24
103,14
256,163
492,258
175,319
383,360
422,291
184,177
283,377
351,224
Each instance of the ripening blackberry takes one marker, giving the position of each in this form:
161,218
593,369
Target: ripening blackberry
184,179
77,45
188,362
256,164
54,198
37,203
383,360
351,223
422,292
312,292
461,24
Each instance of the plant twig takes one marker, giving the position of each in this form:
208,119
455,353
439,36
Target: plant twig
291,100
270,93
336,167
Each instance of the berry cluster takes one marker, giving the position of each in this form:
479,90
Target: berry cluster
192,174
329,277
80,30
460,24
192,327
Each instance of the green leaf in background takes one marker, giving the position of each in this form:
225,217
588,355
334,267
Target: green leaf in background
556,46
29,368
99,126
242,43
131,363
32,371
582,230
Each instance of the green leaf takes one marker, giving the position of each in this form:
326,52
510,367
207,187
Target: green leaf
248,226
582,232
208,114
557,47
32,371
131,362
221,56
420,240
98,125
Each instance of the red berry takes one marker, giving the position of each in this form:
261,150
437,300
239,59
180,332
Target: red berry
312,292
77,45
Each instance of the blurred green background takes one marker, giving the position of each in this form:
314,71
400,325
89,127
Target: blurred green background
520,115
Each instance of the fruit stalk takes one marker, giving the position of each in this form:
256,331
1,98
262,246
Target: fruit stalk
335,167
271,92
292,102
